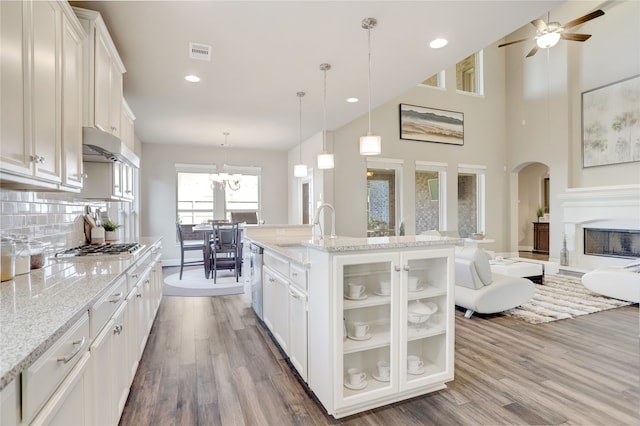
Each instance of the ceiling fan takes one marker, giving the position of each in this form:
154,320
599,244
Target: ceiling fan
549,33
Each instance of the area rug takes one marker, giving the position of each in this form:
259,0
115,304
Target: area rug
562,297
194,284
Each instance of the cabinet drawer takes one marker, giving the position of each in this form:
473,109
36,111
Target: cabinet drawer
298,277
276,263
43,377
104,308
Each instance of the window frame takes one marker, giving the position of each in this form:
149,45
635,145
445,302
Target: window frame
478,75
480,172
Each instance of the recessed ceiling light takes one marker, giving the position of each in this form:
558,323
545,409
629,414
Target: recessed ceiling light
192,78
438,43
353,100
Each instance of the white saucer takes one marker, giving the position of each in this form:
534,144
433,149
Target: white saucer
355,387
365,337
417,289
380,379
416,372
377,293
364,296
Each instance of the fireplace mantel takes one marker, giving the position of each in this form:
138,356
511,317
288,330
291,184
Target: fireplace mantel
614,207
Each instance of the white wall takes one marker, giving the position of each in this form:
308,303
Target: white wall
543,118
158,177
484,144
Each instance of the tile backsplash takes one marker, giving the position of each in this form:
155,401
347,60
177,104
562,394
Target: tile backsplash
54,218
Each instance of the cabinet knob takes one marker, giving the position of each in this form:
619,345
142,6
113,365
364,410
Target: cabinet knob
406,268
138,295
396,268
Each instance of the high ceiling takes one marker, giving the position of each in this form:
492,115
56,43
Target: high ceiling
263,52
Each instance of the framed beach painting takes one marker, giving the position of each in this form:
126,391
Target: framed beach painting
431,125
611,123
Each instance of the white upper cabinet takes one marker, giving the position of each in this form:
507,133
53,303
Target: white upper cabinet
103,75
36,53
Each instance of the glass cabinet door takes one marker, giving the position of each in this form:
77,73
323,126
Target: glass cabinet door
427,314
367,288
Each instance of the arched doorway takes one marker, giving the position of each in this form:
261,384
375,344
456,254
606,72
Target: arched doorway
530,184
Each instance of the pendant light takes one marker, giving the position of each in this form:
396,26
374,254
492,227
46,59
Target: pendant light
300,169
370,144
325,160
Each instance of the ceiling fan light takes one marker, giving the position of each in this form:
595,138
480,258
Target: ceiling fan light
300,170
548,40
370,145
325,161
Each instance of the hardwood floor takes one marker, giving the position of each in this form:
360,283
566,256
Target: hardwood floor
208,362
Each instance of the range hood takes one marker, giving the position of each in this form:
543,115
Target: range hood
101,147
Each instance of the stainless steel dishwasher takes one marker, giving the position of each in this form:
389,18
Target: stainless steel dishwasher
256,279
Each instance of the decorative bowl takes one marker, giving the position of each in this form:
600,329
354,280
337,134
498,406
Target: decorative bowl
421,312
477,236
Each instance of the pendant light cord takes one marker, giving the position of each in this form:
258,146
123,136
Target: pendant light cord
369,42
300,95
324,112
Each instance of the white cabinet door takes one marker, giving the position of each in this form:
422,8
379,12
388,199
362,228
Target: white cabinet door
427,339
281,313
115,100
126,179
102,82
120,332
72,402
131,321
298,330
371,322
142,297
16,148
45,99
268,297
71,103
102,374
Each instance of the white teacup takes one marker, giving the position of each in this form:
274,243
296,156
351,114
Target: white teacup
356,376
360,329
414,363
355,290
384,369
414,283
385,287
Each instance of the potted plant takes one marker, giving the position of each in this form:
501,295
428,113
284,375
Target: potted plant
539,214
110,233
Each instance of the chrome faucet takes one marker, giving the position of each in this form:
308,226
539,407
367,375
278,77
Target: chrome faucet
316,221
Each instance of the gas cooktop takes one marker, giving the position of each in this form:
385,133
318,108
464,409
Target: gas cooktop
101,250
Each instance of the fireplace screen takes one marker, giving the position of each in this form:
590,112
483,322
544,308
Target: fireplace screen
612,242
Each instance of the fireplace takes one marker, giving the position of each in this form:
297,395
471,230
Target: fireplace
601,225
612,242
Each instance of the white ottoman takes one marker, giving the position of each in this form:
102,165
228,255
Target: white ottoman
532,271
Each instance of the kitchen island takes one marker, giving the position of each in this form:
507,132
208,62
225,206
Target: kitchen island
364,321
72,328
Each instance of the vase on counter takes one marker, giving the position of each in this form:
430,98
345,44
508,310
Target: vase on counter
111,235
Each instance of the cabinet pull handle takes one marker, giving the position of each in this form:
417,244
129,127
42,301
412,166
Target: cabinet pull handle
138,295
78,347
134,275
406,268
295,274
117,329
396,268
116,297
294,295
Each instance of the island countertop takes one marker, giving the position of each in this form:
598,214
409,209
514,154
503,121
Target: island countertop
37,308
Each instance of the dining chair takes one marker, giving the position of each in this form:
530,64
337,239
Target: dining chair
189,245
225,249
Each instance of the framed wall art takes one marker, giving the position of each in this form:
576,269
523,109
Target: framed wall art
611,123
431,125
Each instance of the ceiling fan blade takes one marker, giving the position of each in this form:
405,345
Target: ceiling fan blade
575,37
533,51
539,24
583,19
512,42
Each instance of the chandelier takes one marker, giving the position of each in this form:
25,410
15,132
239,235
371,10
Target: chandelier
232,181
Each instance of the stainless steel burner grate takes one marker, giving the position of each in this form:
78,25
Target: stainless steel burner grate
101,249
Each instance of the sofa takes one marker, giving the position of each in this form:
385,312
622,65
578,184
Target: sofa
478,289
619,282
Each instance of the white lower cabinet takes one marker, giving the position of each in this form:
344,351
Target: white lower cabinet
102,369
367,347
268,297
298,330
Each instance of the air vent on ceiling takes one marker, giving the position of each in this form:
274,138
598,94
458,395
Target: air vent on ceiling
200,51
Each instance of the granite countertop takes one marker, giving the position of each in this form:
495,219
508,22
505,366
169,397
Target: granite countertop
294,247
37,308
